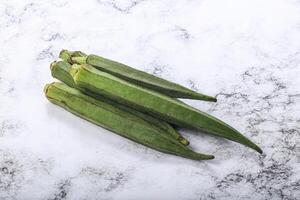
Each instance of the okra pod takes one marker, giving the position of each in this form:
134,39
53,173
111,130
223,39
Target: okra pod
154,103
60,70
139,77
116,120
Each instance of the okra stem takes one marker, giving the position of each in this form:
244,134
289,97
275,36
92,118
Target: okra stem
65,55
78,60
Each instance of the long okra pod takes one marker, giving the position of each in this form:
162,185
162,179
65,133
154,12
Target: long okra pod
116,120
154,103
138,77
60,70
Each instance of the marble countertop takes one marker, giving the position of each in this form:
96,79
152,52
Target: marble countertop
247,53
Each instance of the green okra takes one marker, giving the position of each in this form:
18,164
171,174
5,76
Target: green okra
138,77
117,120
154,103
60,70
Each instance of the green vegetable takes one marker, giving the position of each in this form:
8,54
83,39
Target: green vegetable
60,70
156,104
138,77
117,120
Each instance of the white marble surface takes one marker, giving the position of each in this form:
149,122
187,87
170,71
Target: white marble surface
245,52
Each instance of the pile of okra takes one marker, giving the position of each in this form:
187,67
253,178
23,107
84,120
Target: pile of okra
134,104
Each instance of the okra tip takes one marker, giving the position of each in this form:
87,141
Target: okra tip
210,157
199,156
203,97
183,141
212,99
252,145
259,150
245,141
